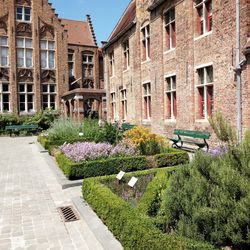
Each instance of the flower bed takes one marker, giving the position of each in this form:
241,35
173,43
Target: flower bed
132,226
112,165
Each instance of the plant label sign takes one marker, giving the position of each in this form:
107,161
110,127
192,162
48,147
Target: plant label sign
120,175
80,134
132,182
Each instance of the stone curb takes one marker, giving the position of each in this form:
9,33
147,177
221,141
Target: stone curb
101,232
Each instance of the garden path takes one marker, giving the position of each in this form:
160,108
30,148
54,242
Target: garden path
29,198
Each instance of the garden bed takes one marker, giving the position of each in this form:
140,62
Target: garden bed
131,224
109,166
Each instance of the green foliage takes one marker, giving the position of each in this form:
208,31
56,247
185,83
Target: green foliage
43,119
210,199
222,129
110,133
114,165
134,229
64,130
100,167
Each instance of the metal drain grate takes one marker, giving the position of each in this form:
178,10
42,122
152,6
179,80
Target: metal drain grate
68,214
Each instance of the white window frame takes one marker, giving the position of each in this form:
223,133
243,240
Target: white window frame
2,93
113,104
169,23
171,91
23,14
71,62
124,103
48,51
145,31
205,86
146,88
25,49
202,3
49,94
6,47
26,94
88,64
112,63
126,55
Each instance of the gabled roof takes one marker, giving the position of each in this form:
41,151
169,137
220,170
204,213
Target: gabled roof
79,32
126,20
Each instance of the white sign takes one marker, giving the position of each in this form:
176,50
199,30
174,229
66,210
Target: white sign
120,175
132,181
80,134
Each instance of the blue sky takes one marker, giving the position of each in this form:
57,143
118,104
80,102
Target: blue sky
104,13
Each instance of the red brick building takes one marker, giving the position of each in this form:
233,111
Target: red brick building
170,64
43,57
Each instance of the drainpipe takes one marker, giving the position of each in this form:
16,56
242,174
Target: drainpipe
238,73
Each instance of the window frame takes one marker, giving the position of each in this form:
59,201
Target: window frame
26,93
147,101
170,39
145,42
7,47
204,26
47,50
49,94
25,49
124,102
126,55
2,94
23,14
112,64
89,65
205,105
71,62
113,105
172,101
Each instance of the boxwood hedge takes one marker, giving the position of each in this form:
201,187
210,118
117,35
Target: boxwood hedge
134,229
110,166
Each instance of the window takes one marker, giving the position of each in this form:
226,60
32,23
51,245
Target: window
205,91
4,51
113,106
147,100
145,43
169,19
24,53
111,64
26,97
4,97
124,104
49,96
126,55
23,14
71,63
204,16
88,65
47,54
171,97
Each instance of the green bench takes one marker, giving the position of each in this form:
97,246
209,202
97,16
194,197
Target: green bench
187,134
127,126
25,127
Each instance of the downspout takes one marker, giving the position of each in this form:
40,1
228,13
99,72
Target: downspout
238,73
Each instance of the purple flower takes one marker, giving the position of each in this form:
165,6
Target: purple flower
218,151
83,151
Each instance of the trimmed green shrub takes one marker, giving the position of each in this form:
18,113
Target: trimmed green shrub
172,157
100,167
135,230
109,166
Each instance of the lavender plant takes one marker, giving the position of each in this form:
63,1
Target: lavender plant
83,151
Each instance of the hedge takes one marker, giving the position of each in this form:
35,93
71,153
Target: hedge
100,167
133,229
113,165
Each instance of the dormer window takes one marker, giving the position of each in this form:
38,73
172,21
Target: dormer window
23,14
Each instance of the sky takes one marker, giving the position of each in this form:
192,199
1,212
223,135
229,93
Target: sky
104,13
